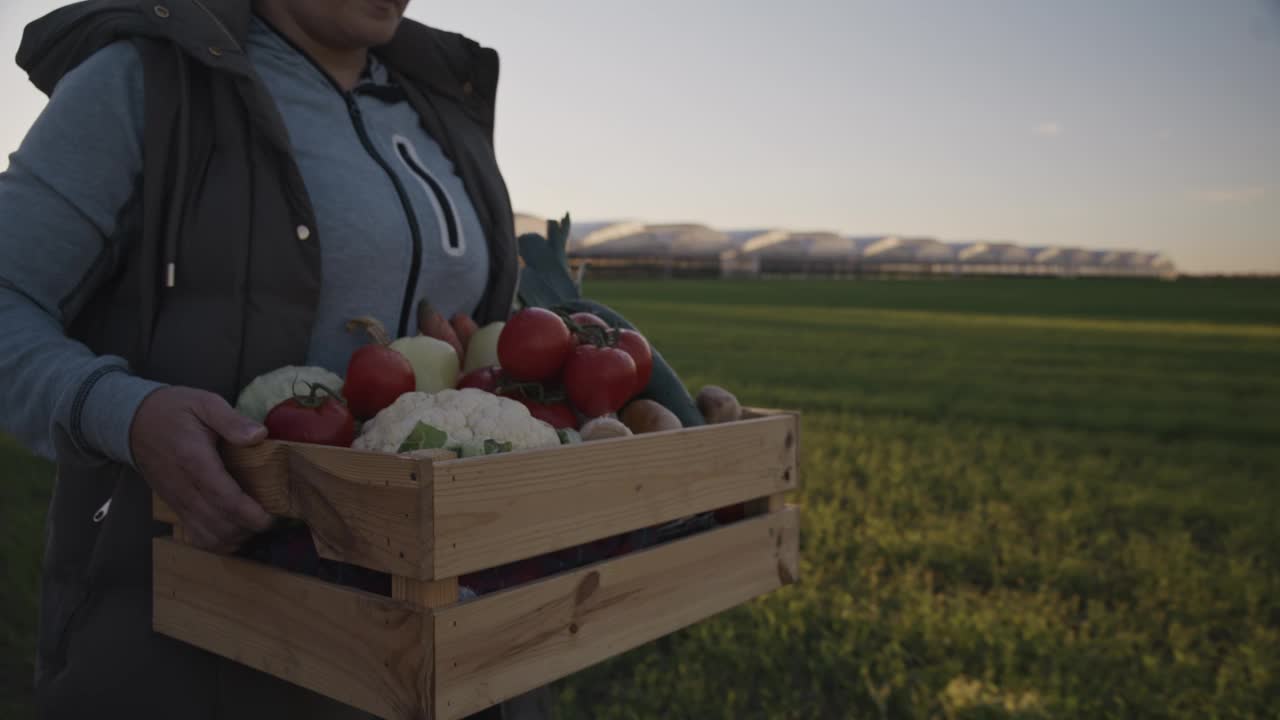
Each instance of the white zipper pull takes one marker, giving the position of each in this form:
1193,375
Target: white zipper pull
102,512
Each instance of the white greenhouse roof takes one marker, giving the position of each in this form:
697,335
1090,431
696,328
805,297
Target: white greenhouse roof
589,234
1121,259
634,239
637,240
783,244
899,249
993,252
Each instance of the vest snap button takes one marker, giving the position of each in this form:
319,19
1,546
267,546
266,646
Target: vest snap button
467,88
161,11
304,232
215,51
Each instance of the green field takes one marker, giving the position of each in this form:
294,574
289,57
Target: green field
1023,498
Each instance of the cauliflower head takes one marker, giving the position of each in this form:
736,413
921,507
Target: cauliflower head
473,422
268,390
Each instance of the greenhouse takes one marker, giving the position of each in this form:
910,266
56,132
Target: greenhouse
691,249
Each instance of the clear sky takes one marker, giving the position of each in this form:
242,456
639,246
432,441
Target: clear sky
1136,124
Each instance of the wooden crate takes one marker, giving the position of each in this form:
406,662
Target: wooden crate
421,654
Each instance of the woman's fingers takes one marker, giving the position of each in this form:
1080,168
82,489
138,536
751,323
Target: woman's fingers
174,438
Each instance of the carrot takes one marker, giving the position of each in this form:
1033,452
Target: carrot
464,327
432,324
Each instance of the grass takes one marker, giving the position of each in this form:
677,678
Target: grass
25,484
1023,499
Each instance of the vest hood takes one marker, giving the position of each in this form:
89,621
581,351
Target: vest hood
214,33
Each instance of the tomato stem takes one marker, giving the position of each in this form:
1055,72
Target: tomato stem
536,392
591,334
313,397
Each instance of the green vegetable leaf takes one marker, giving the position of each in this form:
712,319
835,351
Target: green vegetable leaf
425,437
545,280
569,436
480,448
493,447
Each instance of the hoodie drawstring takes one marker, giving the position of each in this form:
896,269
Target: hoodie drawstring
178,204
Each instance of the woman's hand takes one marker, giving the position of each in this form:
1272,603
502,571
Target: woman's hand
174,438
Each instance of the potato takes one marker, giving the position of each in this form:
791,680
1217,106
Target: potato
646,416
604,428
718,405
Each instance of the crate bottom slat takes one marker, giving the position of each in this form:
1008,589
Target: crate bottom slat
370,652
502,645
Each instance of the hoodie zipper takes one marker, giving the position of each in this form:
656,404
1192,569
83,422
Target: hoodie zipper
411,287
357,120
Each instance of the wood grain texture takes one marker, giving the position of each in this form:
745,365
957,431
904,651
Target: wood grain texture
500,508
371,652
363,508
753,413
500,646
425,593
777,501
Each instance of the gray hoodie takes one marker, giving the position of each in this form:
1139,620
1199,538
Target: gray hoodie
375,178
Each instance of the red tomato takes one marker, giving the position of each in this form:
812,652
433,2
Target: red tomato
376,376
312,419
586,318
486,379
557,415
599,380
534,345
634,344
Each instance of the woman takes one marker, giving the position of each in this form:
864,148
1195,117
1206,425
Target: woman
215,187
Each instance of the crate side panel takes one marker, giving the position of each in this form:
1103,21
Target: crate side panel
363,508
367,651
497,647
493,510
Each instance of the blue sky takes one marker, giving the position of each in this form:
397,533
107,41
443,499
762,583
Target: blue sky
1138,124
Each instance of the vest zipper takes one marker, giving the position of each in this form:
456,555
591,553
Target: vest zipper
219,24
411,287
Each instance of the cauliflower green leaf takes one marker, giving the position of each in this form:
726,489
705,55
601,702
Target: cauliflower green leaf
425,437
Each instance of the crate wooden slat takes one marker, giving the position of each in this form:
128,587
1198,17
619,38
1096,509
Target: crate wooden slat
439,519
506,507
367,651
512,642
